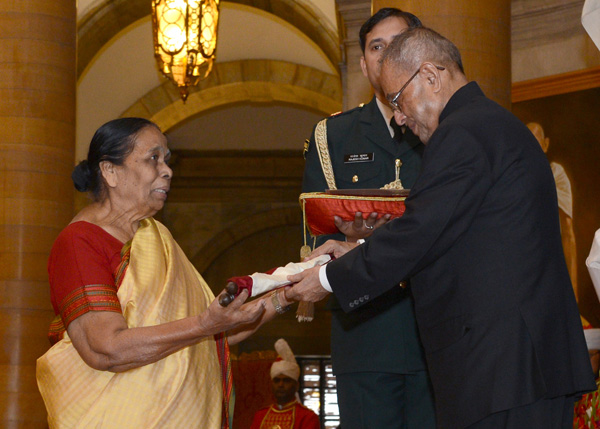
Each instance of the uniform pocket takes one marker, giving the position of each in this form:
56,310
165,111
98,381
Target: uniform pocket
361,175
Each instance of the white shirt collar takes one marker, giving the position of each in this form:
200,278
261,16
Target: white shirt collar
387,114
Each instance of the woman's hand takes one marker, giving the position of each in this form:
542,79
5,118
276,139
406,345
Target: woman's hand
266,301
106,343
217,318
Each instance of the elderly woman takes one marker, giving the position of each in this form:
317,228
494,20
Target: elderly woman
138,333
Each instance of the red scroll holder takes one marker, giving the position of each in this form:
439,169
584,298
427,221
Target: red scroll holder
319,208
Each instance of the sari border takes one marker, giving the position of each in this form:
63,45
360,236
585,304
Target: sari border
97,297
80,301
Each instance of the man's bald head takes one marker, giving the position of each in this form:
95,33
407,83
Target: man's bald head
420,71
421,44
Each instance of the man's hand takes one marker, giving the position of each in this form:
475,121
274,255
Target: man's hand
332,247
307,286
359,227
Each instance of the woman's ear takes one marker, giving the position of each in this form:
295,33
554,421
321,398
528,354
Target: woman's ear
109,173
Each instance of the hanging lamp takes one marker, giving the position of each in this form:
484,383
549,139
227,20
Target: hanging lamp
185,39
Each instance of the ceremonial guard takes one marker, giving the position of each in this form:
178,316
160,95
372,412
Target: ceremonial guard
287,412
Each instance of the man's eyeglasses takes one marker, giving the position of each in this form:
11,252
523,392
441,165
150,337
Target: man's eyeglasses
394,101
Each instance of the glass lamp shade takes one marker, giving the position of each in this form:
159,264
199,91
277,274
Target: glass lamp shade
185,39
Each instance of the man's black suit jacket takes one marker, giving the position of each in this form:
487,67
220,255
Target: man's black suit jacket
480,239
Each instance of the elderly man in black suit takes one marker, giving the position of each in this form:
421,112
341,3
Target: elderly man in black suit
391,388
481,243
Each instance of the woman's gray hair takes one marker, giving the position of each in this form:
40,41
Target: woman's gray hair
112,142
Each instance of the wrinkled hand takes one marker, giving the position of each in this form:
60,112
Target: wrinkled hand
332,247
218,318
244,331
307,286
359,227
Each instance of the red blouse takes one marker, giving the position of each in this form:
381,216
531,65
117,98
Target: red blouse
82,272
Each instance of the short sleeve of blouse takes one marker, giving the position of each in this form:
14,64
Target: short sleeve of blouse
81,271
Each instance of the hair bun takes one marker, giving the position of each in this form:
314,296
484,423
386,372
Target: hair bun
81,176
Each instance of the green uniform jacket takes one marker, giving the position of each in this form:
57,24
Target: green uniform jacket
381,336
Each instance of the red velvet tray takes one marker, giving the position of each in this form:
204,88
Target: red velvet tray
320,207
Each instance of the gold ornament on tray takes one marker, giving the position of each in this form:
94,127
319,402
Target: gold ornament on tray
396,184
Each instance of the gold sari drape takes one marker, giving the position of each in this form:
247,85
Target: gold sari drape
181,390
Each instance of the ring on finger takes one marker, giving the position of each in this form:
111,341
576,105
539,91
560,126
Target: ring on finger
368,226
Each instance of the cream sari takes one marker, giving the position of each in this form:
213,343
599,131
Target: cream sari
183,390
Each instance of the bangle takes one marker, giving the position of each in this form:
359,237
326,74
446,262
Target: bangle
275,300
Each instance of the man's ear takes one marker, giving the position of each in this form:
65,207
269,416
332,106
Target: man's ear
363,66
432,74
107,169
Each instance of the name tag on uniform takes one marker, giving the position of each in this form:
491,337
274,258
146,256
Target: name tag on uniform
358,157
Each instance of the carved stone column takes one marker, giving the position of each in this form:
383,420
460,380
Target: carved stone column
356,87
37,140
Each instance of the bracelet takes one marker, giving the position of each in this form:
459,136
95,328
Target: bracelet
275,300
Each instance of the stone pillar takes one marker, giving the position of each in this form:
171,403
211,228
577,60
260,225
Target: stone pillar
355,85
37,140
480,29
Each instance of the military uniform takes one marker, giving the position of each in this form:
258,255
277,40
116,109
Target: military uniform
376,352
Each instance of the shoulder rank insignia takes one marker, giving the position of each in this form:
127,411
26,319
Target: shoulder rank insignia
343,112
